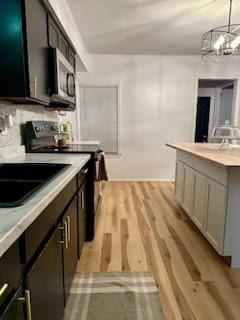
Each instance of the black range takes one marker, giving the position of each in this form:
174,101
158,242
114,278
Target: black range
40,137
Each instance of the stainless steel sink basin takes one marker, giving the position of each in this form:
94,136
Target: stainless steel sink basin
19,181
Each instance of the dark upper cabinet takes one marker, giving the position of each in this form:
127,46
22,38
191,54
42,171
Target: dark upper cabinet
23,54
56,39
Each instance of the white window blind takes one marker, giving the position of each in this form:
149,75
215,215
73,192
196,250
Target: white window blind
99,116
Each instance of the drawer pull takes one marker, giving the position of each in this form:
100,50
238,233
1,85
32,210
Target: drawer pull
3,289
28,305
85,171
69,227
65,234
27,300
82,200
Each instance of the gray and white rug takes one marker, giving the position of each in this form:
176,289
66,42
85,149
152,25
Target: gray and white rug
114,296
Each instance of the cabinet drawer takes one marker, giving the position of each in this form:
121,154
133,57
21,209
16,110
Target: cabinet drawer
10,272
212,171
186,158
36,233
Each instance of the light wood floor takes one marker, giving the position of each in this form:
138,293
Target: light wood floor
142,228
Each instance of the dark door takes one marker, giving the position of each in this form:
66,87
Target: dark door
37,42
45,282
16,308
202,120
82,217
70,255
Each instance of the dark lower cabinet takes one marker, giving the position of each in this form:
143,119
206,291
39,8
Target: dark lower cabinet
45,281
82,217
70,255
36,273
16,310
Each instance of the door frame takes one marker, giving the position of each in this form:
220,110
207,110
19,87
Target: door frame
236,99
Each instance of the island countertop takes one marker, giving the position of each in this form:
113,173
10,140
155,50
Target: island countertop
14,221
226,157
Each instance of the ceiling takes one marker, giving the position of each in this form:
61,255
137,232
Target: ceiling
165,27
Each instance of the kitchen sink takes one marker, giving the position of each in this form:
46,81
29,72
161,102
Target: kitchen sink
29,171
19,181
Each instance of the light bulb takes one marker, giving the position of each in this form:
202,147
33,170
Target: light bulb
218,44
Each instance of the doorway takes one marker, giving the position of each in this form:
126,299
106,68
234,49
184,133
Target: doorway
215,104
202,119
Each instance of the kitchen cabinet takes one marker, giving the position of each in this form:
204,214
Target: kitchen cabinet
70,253
199,199
202,194
10,275
38,269
45,281
56,39
16,309
23,55
215,214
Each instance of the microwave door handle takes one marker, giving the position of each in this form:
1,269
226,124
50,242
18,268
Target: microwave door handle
69,93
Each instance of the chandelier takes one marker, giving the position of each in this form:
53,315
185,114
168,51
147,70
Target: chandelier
222,43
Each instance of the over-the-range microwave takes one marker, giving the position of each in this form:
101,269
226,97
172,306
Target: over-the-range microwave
61,81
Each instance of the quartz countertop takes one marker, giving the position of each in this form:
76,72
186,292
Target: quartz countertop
14,221
226,157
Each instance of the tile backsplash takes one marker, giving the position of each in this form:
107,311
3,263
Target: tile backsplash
21,114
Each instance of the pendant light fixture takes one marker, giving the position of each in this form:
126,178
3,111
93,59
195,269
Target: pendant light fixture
222,43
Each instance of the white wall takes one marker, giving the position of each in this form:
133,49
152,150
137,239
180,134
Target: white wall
158,104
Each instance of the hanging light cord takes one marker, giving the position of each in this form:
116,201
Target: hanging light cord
230,14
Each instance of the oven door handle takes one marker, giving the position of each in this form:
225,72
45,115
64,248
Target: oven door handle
69,77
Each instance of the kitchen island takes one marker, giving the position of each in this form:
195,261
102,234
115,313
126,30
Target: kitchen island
207,186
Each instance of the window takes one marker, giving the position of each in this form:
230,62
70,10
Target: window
99,116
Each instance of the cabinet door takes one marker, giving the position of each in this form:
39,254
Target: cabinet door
215,214
37,43
16,308
82,217
53,33
71,56
199,199
63,45
179,181
45,282
70,249
188,190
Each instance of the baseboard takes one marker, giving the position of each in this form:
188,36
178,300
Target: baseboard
142,179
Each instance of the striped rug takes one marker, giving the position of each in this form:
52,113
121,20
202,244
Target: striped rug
114,296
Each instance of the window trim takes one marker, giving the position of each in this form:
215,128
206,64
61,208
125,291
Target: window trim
108,85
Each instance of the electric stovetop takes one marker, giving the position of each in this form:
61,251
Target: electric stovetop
72,148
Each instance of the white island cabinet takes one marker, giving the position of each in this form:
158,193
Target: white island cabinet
207,186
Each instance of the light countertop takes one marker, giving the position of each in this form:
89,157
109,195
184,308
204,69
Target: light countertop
227,157
14,221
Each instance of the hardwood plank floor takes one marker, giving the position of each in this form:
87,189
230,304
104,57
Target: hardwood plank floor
142,228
